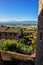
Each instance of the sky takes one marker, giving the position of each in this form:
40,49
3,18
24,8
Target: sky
19,10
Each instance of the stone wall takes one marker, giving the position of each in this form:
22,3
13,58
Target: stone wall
11,58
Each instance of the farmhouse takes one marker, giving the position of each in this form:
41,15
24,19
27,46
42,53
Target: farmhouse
9,33
29,33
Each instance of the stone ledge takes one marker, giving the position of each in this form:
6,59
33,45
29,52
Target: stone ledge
7,55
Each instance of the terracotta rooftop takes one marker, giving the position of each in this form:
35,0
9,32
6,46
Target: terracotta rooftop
8,29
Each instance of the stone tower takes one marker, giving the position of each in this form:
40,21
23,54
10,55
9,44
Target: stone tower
39,49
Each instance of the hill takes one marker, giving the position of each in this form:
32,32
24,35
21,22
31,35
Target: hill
17,22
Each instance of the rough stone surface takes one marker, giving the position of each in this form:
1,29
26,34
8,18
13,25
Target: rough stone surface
39,50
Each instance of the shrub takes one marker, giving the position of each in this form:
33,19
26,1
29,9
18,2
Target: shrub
27,49
9,45
26,41
23,41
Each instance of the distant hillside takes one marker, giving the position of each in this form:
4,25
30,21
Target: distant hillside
18,22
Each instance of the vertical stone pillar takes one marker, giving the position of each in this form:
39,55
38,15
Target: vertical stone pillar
39,49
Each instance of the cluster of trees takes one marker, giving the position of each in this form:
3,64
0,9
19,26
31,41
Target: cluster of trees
21,47
9,45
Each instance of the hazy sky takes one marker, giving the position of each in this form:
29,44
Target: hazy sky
18,10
